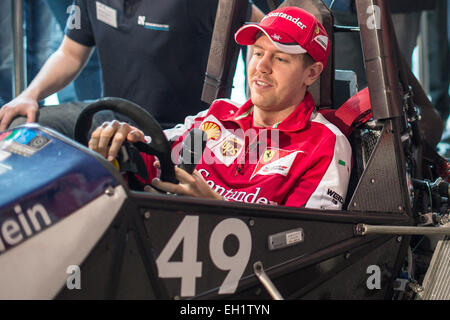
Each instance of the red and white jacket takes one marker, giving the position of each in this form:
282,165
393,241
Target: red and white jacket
302,161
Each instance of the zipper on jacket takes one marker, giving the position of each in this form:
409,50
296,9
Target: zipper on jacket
239,169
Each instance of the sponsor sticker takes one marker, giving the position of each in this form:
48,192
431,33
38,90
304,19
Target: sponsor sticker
335,197
276,37
152,26
38,142
230,147
212,130
157,26
222,142
20,149
322,41
228,150
21,226
23,136
287,17
4,155
23,142
13,134
4,135
275,161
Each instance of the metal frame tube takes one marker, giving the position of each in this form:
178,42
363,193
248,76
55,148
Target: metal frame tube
379,57
365,229
19,72
423,45
266,282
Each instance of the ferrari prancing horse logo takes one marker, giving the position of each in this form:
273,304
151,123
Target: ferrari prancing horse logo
268,155
275,161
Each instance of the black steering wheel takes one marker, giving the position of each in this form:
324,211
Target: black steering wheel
159,146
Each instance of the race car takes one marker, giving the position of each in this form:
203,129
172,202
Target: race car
73,226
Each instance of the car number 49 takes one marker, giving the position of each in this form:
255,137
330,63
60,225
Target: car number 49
189,268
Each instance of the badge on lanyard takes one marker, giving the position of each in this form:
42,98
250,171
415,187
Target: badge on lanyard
106,14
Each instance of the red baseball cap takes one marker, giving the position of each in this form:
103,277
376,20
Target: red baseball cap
292,30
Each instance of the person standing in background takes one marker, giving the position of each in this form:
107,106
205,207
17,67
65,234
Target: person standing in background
88,84
43,31
151,53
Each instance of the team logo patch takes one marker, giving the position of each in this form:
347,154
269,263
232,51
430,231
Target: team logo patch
212,130
223,143
230,147
322,41
276,37
335,197
152,26
268,155
275,161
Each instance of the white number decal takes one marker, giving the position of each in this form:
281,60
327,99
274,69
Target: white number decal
189,268
237,263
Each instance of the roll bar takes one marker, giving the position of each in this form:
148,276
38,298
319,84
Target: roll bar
19,72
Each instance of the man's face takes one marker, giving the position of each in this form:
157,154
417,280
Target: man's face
277,80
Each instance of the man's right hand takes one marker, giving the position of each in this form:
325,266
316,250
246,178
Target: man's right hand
116,132
20,106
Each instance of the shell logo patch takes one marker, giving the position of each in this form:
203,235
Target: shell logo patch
212,130
230,147
275,161
223,143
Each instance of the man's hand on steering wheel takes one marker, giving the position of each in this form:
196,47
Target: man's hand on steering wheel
116,132
192,185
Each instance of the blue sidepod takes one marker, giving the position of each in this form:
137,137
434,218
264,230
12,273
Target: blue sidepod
44,177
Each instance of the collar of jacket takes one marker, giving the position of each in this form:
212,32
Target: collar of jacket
296,121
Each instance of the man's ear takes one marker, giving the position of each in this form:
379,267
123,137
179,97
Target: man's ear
313,72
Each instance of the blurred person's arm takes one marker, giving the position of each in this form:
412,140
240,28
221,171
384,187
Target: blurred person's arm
59,70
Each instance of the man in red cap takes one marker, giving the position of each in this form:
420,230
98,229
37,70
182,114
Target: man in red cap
274,149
